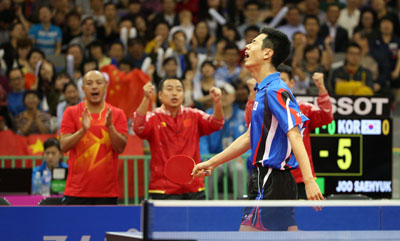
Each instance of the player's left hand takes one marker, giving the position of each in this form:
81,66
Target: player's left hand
215,94
109,118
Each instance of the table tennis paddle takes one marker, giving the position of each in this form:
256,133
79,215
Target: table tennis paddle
178,169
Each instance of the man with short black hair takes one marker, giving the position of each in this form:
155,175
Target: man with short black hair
15,98
273,136
173,129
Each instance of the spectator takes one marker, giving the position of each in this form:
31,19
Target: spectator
349,17
234,125
46,36
15,98
32,120
96,11
88,65
71,94
49,97
17,33
368,23
214,26
96,51
178,51
125,66
381,9
252,13
111,28
61,79
116,51
338,34
293,18
386,51
94,133
229,73
164,142
72,28
52,158
351,78
24,46
76,51
313,61
230,34
136,54
312,8
160,40
270,13
367,61
185,25
169,68
242,94
88,34
201,89
143,31
311,25
203,42
168,14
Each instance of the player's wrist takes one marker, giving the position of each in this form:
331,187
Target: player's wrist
308,180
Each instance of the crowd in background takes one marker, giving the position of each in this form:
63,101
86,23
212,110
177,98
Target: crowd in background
46,46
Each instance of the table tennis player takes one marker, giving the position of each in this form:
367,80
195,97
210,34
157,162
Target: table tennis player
173,129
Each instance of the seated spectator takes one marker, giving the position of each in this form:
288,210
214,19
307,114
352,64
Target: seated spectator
368,24
32,120
185,25
142,29
116,52
15,98
52,158
311,7
338,34
88,34
96,51
177,51
251,13
311,25
270,13
229,73
382,11
17,33
230,34
76,51
235,124
45,36
49,96
294,24
168,14
111,28
136,54
386,51
61,79
72,28
352,78
169,68
367,61
349,17
160,39
312,61
71,94
201,89
203,42
24,46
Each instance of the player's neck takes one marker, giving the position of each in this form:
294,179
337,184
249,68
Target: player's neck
260,72
94,108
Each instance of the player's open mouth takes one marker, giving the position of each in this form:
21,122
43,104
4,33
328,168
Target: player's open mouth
246,55
174,100
95,94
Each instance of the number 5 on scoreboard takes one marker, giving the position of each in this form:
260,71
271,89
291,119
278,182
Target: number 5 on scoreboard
343,151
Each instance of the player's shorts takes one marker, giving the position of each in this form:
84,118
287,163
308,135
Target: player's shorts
270,184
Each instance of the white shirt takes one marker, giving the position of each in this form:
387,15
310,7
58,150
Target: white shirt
349,21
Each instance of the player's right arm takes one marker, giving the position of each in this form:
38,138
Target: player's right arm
237,148
148,90
69,140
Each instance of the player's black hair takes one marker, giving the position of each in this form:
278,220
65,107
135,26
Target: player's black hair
278,42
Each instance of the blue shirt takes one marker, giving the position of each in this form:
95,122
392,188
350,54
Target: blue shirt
217,141
43,167
46,40
224,74
15,101
275,112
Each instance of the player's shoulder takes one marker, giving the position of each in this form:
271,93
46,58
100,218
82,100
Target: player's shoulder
277,86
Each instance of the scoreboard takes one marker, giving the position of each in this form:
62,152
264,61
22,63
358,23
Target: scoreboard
353,154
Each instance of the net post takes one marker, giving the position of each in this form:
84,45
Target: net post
147,224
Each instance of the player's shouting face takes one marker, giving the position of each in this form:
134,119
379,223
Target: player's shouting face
171,93
94,86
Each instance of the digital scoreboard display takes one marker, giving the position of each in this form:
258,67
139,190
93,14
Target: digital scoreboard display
353,154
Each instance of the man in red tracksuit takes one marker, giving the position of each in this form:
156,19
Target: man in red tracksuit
319,116
173,129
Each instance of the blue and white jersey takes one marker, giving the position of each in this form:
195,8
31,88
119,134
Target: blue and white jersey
46,40
275,112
